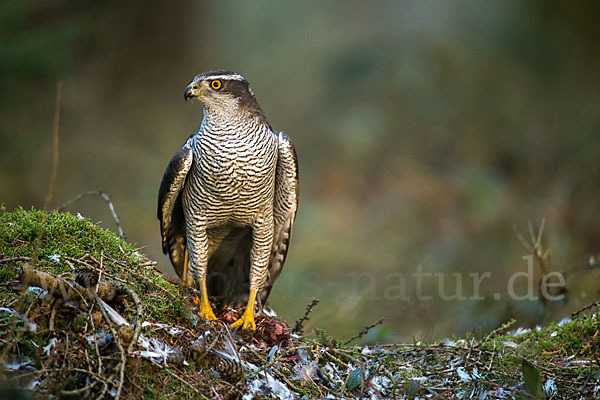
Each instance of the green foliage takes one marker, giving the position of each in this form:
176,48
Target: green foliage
38,238
49,239
58,233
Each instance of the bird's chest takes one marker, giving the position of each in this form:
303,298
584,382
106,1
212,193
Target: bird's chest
237,168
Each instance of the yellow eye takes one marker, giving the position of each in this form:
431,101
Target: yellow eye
216,84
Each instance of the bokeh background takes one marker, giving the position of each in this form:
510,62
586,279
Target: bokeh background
426,130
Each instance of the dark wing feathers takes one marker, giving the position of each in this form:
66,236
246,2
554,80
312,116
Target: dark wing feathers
170,208
285,205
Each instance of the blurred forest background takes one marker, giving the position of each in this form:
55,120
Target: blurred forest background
425,131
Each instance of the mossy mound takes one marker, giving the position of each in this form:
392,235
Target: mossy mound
70,347
61,243
66,245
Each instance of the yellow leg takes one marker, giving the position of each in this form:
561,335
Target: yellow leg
246,321
206,311
186,265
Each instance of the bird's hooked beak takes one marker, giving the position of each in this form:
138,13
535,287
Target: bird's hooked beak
192,91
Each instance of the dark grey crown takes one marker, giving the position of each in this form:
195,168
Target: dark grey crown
237,86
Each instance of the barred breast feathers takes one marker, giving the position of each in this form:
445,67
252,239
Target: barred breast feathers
229,196
234,169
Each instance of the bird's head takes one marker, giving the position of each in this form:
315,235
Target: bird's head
223,92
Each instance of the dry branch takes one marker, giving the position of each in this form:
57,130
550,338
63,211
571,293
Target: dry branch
68,290
106,197
298,327
364,331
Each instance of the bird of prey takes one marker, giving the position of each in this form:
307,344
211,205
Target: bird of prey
228,199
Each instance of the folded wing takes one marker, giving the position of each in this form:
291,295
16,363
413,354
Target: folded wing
285,205
170,208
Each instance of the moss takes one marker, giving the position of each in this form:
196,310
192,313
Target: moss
58,233
549,348
60,243
50,239
79,322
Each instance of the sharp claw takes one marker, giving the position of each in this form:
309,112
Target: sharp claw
245,322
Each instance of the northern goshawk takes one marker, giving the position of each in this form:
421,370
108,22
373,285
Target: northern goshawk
228,199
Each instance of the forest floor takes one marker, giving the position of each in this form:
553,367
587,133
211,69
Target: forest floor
85,315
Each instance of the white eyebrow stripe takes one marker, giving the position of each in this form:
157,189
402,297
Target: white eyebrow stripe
234,77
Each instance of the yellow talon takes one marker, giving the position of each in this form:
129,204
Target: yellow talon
206,311
246,321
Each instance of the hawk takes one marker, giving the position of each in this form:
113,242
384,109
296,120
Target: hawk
228,199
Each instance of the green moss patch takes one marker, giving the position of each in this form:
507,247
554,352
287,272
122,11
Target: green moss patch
70,348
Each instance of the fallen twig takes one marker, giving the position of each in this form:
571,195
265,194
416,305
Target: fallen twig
93,268
174,375
588,307
69,290
364,331
119,345
12,259
445,393
139,317
79,391
298,327
163,275
106,198
56,304
98,377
